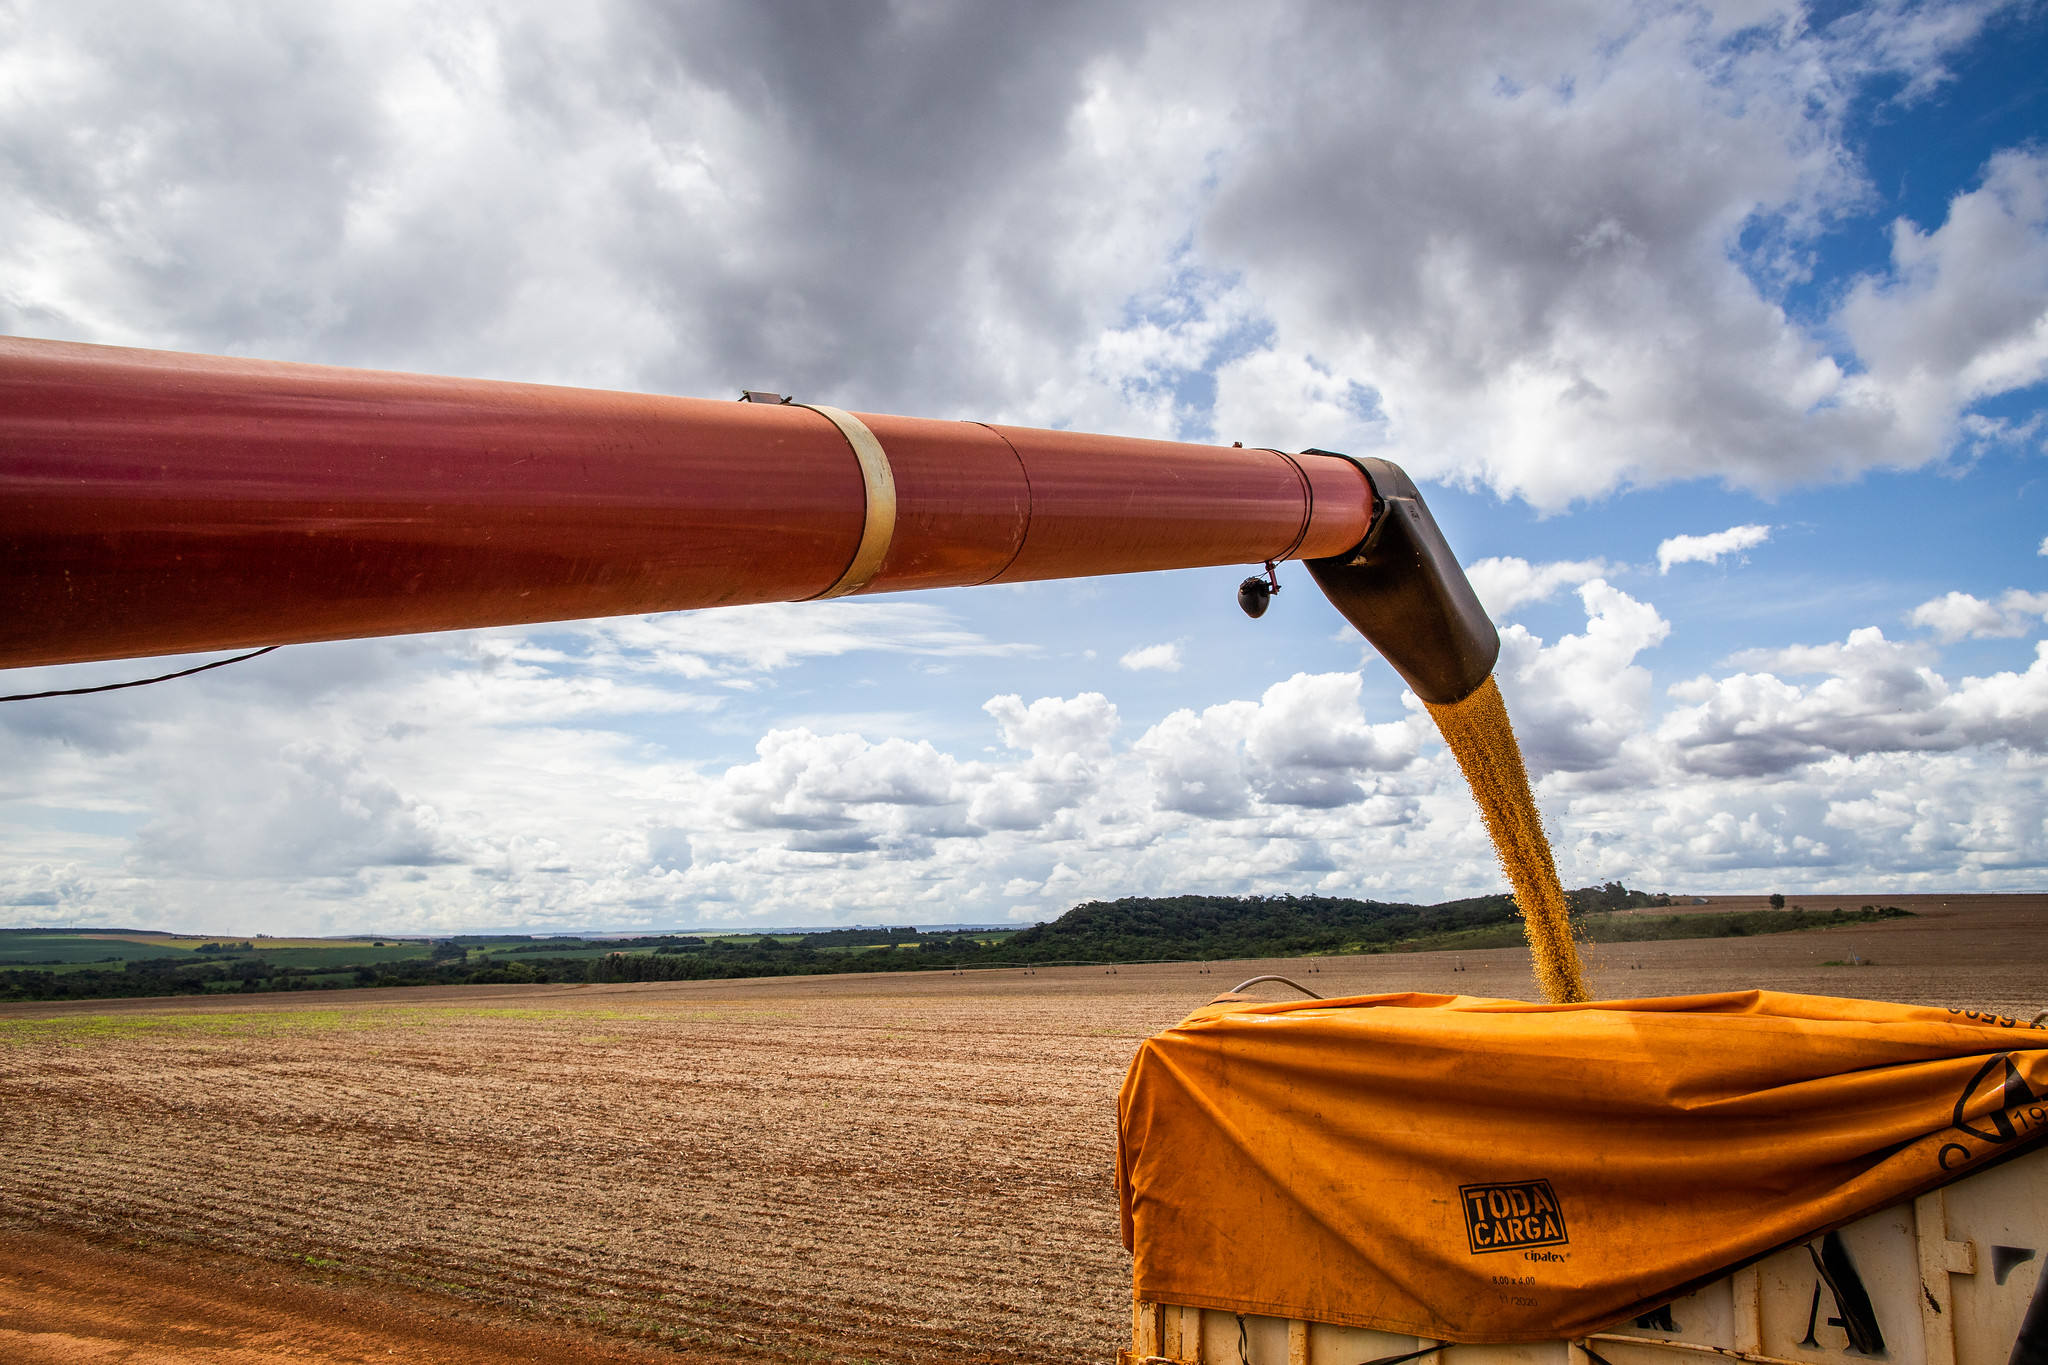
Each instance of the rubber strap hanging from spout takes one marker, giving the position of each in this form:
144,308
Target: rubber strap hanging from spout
1403,589
879,483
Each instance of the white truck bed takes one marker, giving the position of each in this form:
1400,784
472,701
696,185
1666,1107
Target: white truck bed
1949,1280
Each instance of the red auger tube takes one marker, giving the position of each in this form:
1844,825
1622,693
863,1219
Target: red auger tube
159,503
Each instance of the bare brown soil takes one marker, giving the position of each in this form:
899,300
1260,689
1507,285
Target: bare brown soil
62,1300
883,1168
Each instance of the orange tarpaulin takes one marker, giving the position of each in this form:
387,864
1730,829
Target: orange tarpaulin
1491,1171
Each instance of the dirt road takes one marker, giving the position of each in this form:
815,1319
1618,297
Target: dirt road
892,1168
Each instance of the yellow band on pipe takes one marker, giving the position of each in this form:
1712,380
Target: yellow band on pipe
879,483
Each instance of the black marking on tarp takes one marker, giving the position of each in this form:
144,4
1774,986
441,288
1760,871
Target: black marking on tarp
1512,1215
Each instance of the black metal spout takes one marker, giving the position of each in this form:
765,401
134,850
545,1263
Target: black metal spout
1402,587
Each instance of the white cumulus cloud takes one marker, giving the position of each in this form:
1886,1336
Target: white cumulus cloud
1954,615
303,800
1507,582
1617,329
1068,741
675,198
1878,696
1963,315
1305,743
1165,658
1709,549
1579,703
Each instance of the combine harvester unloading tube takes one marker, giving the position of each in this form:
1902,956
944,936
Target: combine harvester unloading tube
1381,1178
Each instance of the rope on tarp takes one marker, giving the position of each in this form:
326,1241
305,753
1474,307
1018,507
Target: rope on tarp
1313,996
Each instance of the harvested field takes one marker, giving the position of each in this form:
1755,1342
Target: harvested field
63,1301
888,1168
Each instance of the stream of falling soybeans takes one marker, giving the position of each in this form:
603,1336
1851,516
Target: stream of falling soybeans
1479,734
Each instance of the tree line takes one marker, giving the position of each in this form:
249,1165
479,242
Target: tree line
1128,930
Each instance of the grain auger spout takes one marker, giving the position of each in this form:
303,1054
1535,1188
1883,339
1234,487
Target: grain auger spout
159,503
1402,588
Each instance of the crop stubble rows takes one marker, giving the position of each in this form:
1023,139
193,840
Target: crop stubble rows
878,1178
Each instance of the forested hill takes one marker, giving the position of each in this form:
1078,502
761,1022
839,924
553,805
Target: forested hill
57,964
1140,928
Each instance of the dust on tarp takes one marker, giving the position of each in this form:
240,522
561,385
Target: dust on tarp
1494,1171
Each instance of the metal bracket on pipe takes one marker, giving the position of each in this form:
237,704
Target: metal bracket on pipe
879,484
1308,510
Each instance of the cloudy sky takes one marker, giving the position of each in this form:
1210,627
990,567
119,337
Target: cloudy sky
1716,333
